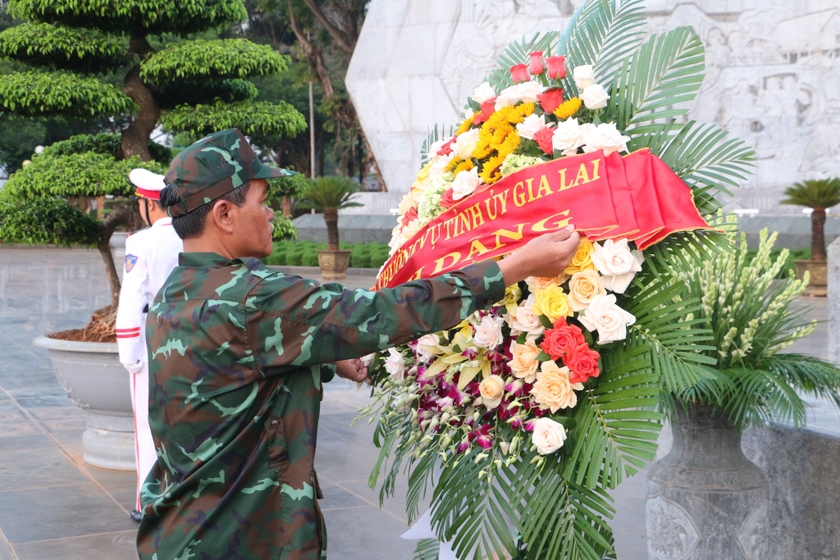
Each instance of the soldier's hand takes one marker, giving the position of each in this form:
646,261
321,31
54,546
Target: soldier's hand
354,370
546,256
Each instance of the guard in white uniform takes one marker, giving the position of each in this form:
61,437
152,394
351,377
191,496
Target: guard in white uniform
150,255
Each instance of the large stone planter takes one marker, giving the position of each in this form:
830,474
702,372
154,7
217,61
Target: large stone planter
333,264
705,500
818,286
95,380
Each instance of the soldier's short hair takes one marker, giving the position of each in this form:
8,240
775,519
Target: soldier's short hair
192,224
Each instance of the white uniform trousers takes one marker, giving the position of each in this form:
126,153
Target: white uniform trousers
144,446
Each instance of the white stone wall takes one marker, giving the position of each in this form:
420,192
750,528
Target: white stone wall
773,76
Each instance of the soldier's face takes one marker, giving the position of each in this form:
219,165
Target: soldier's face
255,229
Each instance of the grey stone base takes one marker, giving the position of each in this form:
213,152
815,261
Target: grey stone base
351,228
803,468
794,230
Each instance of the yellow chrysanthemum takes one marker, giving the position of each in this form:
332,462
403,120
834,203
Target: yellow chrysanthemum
464,165
568,108
454,162
464,126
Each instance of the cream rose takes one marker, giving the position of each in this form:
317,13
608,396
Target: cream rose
439,164
492,388
548,436
508,96
552,302
465,183
531,125
553,390
411,229
568,136
422,348
528,91
617,264
484,92
524,320
488,333
540,283
584,286
604,316
604,137
408,202
465,143
584,76
395,365
594,97
524,362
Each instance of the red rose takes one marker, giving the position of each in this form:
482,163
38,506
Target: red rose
446,149
543,138
550,99
536,65
585,364
409,216
447,201
519,73
556,67
562,340
487,109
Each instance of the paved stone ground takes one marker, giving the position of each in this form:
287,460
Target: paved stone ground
52,505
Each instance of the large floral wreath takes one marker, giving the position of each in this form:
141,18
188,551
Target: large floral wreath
523,417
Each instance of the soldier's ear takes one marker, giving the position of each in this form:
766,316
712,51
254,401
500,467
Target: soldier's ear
221,215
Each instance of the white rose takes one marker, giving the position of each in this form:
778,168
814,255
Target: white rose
465,183
422,348
397,239
465,143
604,137
469,113
604,316
508,96
525,320
548,435
411,229
395,365
617,264
528,91
594,97
488,334
584,76
530,126
433,149
568,136
439,164
484,92
408,202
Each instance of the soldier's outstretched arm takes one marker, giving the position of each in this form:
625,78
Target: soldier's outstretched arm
298,322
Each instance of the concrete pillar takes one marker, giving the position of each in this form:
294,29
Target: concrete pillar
834,301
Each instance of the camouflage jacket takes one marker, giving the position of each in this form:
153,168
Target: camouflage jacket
235,356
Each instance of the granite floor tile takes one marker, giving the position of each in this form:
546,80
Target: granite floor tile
121,485
16,444
5,549
109,546
336,497
366,533
43,396
59,512
34,468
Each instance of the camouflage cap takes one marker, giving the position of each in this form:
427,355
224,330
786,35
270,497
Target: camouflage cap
212,167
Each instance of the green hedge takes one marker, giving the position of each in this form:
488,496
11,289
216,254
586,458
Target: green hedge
302,253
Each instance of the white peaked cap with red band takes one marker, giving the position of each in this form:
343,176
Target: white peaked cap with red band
148,184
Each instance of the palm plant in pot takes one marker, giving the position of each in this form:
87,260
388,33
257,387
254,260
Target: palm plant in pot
328,195
819,195
706,490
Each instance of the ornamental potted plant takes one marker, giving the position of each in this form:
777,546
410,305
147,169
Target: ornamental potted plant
818,195
705,496
328,195
191,85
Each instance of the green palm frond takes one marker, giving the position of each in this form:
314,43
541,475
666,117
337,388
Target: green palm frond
427,549
623,36
683,250
811,376
419,479
820,193
666,70
617,427
473,511
334,192
564,520
517,53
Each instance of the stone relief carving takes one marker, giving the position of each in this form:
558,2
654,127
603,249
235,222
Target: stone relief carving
752,536
671,532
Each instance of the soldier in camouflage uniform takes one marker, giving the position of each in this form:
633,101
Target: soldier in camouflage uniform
237,356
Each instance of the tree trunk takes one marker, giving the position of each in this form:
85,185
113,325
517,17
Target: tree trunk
818,234
287,206
331,218
135,139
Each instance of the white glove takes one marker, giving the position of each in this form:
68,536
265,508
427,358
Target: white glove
135,368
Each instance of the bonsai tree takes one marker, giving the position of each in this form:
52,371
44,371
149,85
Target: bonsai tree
816,194
328,195
187,85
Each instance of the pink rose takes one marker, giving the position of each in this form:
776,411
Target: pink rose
519,73
556,67
536,65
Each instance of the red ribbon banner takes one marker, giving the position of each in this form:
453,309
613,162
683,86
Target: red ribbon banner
605,197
